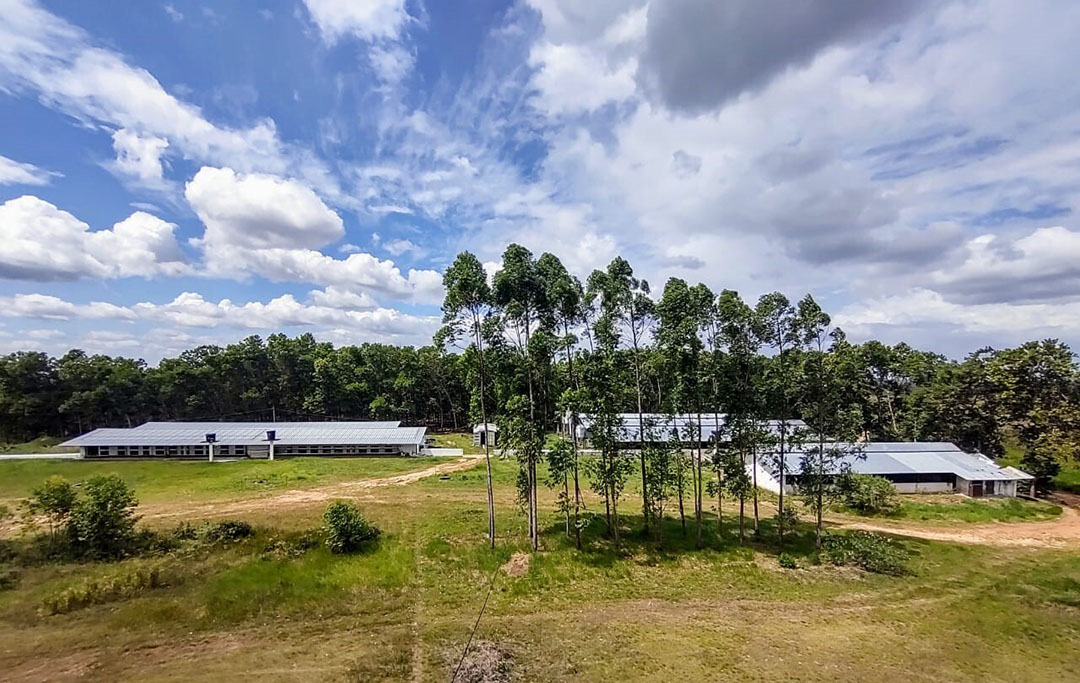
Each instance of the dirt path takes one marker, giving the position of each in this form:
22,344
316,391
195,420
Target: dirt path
1055,533
303,497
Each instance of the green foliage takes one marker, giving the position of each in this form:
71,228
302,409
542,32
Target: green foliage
54,499
787,561
112,588
346,529
867,494
102,523
866,550
227,531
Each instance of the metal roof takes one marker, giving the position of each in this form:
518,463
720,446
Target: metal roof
664,425
917,458
253,433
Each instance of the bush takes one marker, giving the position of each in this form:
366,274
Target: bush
227,531
295,545
100,591
54,499
788,520
866,550
102,525
787,561
346,529
867,494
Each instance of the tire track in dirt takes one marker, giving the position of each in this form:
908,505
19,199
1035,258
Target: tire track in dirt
1056,533
303,497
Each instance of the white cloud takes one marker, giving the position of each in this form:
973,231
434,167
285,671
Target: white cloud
39,241
399,247
53,308
340,297
138,157
365,19
18,173
42,53
259,211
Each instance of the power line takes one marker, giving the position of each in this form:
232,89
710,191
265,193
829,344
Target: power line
491,584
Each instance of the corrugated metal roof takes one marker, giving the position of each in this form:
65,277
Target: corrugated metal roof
917,458
664,425
253,433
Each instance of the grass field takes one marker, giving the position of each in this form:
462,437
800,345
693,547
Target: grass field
403,610
955,508
44,444
178,480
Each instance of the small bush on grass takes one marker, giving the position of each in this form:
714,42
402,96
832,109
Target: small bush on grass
227,531
346,529
866,550
102,524
9,578
99,591
295,545
787,561
867,494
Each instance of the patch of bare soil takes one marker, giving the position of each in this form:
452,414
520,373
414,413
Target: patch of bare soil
1056,533
486,662
304,497
517,565
73,667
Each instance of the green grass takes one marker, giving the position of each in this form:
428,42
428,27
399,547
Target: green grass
457,440
402,610
950,508
157,481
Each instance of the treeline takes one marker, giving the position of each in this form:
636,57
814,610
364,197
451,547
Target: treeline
293,378
538,343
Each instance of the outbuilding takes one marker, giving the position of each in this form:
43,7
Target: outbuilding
486,434
260,440
912,467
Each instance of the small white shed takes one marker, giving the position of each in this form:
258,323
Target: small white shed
481,431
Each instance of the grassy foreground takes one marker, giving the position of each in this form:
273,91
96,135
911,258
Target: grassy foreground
403,610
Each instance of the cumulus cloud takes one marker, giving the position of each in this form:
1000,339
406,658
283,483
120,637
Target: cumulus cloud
701,53
365,19
257,210
19,173
139,157
53,308
39,241
340,297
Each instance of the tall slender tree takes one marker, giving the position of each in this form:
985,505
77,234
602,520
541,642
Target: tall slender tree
467,303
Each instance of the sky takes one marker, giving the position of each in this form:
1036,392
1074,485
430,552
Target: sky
184,173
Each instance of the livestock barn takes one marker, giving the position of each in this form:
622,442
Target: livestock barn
912,467
260,440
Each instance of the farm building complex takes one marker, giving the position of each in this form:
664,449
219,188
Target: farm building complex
912,467
251,440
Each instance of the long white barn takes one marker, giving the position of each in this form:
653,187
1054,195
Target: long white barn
911,467
251,440
665,427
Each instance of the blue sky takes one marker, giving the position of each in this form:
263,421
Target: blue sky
181,173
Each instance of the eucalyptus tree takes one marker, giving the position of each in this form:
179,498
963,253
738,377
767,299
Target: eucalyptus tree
565,299
677,336
742,387
467,304
517,290
660,475
822,405
778,328
625,300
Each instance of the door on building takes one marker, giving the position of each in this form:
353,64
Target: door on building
988,488
976,489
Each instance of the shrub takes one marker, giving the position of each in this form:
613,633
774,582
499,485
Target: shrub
8,579
54,499
787,520
227,531
787,561
868,494
102,525
866,550
346,529
295,545
98,591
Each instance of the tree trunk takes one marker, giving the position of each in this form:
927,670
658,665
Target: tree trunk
574,446
757,530
680,480
487,445
742,518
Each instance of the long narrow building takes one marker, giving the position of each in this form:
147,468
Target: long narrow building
266,440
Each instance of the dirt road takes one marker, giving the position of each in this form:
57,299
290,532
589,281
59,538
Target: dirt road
1061,532
303,497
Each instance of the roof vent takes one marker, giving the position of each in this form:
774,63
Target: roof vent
271,435
211,437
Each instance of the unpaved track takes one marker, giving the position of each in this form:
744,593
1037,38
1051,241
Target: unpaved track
303,497
1056,533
